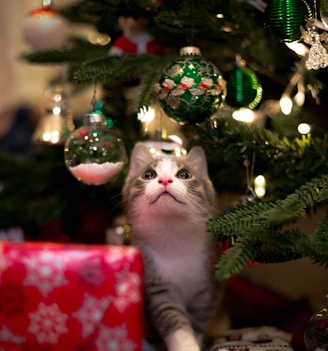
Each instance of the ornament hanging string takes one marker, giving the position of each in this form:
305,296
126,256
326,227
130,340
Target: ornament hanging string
46,3
315,10
190,40
94,97
249,166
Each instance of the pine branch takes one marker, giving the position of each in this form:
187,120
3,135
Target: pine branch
36,191
238,219
185,20
267,214
287,163
113,68
321,233
80,52
94,10
233,261
258,227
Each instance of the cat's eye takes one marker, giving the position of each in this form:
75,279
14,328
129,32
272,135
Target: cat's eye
149,174
184,174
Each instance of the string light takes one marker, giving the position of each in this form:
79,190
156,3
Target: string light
146,114
304,128
260,186
244,115
176,139
299,48
286,104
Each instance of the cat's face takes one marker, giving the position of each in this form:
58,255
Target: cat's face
168,186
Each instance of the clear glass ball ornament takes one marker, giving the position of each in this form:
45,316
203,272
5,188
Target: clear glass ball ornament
316,333
94,153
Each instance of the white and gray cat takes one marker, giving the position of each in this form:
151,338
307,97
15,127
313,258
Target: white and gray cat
168,201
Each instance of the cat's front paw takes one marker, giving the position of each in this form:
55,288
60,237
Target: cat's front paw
182,340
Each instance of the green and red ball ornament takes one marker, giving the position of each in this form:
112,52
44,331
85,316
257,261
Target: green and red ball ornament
283,19
190,89
243,88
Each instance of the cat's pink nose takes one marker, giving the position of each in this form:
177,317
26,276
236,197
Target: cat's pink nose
165,180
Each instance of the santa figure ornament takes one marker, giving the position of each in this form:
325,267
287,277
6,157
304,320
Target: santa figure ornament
136,38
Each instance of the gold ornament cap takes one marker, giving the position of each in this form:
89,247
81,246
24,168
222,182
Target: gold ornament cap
190,51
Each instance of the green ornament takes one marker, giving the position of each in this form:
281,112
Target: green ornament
190,89
243,88
283,19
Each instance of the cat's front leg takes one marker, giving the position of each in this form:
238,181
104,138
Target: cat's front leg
170,318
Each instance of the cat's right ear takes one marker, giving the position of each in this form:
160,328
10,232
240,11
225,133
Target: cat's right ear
139,157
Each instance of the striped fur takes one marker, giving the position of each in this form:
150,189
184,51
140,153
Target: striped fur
168,222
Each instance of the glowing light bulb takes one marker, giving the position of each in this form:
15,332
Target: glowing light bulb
304,128
299,48
286,104
146,114
244,115
260,186
299,98
56,110
175,138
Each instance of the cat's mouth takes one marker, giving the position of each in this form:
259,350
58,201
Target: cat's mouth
166,193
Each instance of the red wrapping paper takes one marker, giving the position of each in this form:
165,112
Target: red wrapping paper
56,297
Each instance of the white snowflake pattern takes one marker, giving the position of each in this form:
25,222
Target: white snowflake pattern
127,289
7,335
114,339
91,313
47,323
45,271
115,255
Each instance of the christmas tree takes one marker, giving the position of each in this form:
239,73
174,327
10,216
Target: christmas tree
140,39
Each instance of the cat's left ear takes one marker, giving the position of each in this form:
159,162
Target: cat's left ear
197,158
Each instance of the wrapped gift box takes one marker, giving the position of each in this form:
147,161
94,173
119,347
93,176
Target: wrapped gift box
265,338
56,297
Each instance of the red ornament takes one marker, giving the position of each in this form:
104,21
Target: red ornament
107,144
321,324
83,133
